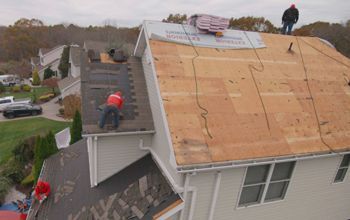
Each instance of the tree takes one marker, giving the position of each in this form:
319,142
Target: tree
48,73
76,129
51,144
51,83
38,157
24,22
36,78
64,62
176,18
253,24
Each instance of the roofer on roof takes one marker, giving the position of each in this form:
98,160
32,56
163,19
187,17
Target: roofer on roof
289,18
42,190
113,105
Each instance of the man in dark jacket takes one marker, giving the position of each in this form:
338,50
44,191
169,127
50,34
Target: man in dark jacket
289,18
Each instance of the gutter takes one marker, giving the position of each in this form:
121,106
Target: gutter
245,163
118,133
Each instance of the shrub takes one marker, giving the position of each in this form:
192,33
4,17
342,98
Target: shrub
61,111
48,73
29,180
2,87
75,131
47,97
36,78
5,184
16,89
26,88
24,151
13,170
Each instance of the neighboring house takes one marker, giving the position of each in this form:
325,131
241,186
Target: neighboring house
70,85
48,58
240,127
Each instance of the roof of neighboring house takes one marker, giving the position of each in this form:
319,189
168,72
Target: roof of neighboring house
69,80
97,46
98,80
75,55
40,67
236,99
47,50
139,191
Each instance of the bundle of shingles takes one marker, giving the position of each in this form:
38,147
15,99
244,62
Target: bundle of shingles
208,23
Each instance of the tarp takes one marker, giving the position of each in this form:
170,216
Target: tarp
63,138
187,34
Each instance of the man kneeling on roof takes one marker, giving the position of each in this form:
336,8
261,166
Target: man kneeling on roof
113,105
42,190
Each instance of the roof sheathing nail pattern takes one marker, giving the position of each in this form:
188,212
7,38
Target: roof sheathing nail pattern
236,118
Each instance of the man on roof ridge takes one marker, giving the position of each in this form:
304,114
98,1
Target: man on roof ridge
289,18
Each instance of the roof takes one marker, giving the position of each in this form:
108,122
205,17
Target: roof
47,50
67,81
139,190
231,94
75,55
97,46
99,79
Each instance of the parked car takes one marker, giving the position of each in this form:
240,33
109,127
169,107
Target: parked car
15,110
4,102
10,80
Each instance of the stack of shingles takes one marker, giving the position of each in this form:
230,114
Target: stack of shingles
208,23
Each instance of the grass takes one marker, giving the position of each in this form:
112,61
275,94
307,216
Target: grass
38,91
14,131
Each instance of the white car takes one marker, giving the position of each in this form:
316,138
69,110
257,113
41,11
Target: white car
4,102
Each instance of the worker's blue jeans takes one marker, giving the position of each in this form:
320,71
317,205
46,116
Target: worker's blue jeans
105,112
287,26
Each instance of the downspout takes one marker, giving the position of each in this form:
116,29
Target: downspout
187,181
215,196
95,161
187,189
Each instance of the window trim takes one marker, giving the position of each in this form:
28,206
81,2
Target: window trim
337,170
267,183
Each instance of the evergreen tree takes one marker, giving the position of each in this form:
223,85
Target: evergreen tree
51,144
38,157
36,78
48,73
64,63
75,130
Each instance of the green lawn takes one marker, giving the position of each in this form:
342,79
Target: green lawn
11,132
39,91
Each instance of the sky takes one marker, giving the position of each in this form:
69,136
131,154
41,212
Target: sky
129,13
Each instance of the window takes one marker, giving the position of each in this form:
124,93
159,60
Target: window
266,183
343,168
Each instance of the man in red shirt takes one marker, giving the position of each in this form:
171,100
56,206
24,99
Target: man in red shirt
113,105
42,190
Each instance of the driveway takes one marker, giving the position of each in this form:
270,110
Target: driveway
50,111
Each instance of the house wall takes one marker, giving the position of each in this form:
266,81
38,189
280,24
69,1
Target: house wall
114,153
51,56
160,141
75,70
54,67
311,195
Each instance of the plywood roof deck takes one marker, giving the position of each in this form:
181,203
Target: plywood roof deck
236,117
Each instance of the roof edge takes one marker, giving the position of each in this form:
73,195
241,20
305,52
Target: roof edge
258,161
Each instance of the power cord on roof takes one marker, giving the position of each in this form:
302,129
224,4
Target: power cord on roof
312,99
251,68
205,111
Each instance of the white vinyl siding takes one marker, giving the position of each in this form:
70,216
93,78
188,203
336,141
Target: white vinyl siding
114,153
160,143
343,169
